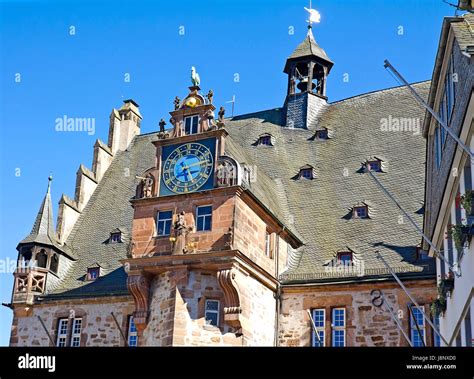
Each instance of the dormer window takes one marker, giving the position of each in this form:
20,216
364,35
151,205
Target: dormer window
264,140
321,134
93,273
191,124
374,165
344,258
360,211
306,172
115,237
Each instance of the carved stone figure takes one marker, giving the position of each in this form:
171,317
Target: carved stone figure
210,95
162,125
221,114
176,102
148,186
180,233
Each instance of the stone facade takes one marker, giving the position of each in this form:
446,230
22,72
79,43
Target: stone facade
366,324
98,325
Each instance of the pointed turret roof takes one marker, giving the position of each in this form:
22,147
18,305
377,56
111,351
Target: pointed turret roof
309,48
43,228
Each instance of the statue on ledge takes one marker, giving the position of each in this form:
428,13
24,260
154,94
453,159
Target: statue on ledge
180,235
176,102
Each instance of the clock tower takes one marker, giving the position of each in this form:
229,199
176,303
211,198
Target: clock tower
205,252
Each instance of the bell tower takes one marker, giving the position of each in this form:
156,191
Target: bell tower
307,69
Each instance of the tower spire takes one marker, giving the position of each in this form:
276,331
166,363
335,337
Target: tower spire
43,228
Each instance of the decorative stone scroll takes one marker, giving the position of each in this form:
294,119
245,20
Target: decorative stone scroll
232,307
139,287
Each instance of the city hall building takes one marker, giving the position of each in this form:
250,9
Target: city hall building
262,229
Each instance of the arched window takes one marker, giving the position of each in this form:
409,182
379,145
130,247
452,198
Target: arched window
42,259
25,257
54,263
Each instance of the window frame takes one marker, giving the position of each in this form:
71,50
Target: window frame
132,332
413,328
324,132
357,208
61,334
74,334
305,171
265,140
90,270
319,329
372,162
217,312
113,235
204,217
158,221
338,328
191,124
344,253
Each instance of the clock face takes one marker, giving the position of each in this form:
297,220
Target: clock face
188,167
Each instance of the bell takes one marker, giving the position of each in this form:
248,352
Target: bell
303,85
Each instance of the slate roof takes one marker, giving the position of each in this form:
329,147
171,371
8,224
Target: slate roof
316,211
309,47
109,208
43,229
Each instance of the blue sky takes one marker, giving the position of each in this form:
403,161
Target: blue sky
84,74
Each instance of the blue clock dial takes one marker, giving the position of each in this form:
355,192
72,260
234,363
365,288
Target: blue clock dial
187,168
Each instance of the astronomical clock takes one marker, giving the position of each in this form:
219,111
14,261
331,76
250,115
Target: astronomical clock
188,167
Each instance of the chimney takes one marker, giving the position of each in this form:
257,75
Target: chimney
124,125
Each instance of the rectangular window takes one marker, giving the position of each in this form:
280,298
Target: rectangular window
62,332
116,237
338,325
417,334
204,218
191,124
132,332
319,318
344,258
163,223
212,312
76,332
93,273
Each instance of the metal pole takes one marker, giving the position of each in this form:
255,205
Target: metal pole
433,113
395,318
314,327
418,229
120,329
46,330
411,298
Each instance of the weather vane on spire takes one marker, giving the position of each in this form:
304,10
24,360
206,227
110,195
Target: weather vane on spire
314,15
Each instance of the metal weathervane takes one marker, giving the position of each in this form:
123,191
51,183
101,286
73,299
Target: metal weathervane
314,15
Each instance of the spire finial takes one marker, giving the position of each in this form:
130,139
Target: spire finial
50,179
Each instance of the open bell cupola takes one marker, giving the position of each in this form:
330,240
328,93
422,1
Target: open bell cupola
308,67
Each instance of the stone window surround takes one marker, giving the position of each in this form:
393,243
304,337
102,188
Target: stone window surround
77,313
198,204
328,323
211,295
157,212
